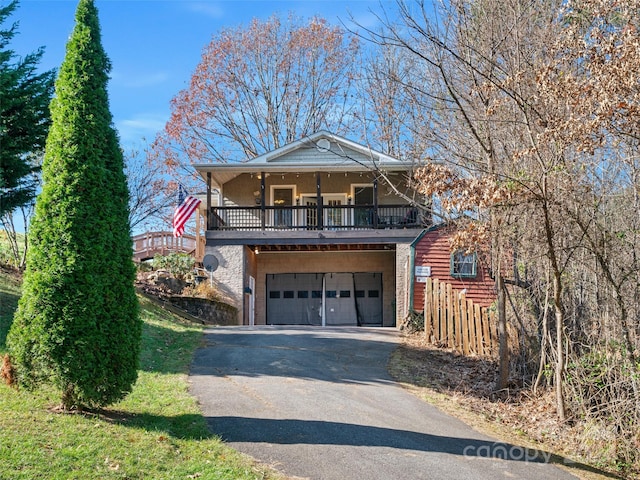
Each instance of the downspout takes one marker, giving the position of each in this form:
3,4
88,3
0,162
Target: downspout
412,278
412,264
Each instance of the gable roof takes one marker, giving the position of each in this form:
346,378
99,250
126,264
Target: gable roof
321,152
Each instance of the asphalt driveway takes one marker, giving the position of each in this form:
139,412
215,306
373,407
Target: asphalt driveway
318,403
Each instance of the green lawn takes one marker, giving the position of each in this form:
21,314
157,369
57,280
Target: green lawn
157,432
9,295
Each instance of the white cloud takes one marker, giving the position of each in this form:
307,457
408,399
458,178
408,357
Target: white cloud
143,125
211,9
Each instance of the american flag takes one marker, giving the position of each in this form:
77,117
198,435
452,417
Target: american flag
184,210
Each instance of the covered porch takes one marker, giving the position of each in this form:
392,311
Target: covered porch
330,206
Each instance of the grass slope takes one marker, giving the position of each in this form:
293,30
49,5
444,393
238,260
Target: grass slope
157,432
9,295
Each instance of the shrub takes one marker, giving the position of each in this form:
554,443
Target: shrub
180,265
145,267
203,290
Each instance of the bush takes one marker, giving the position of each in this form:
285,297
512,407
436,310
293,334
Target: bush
6,258
601,386
203,290
145,267
179,265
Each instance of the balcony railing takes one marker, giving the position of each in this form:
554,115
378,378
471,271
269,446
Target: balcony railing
149,244
311,217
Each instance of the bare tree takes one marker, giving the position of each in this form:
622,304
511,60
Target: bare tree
15,222
390,123
592,74
151,195
18,241
466,58
258,88
541,98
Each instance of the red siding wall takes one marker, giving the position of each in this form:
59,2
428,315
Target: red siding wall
434,250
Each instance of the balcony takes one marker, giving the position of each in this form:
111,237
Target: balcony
148,245
322,217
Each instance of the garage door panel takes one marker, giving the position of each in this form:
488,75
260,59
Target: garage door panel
292,299
368,293
340,304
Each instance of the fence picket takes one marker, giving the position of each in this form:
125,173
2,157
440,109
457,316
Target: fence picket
439,302
477,330
428,302
456,319
450,320
464,322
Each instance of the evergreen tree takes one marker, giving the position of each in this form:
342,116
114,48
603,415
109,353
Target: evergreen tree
77,323
24,118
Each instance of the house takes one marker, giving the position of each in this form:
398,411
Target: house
432,257
318,232
455,292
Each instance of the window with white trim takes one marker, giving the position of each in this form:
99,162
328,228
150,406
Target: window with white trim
463,264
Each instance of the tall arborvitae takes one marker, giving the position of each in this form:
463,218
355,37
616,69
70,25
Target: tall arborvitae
77,323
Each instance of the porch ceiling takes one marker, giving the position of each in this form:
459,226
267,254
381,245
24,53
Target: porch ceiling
223,173
376,238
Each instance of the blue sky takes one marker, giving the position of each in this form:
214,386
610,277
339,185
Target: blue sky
154,45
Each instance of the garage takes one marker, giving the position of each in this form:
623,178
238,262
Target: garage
324,299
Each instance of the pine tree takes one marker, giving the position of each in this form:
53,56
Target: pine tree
77,323
24,118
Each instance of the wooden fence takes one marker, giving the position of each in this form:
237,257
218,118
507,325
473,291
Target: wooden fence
452,320
149,244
